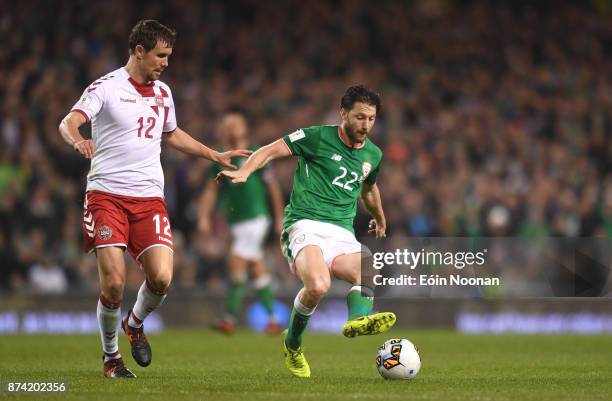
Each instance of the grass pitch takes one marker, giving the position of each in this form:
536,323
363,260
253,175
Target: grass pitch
202,365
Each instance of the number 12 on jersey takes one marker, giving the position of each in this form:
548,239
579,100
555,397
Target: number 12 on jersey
157,221
150,122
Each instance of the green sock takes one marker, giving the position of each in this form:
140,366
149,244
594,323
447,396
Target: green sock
297,324
359,305
234,297
266,297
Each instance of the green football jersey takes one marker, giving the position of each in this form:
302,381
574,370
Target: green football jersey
329,175
245,201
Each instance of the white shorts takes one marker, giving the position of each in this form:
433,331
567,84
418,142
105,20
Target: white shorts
332,239
248,237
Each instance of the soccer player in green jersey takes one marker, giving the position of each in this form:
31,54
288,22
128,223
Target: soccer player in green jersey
246,209
337,164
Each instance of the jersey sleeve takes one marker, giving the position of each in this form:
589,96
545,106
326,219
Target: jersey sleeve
92,100
371,178
170,118
304,142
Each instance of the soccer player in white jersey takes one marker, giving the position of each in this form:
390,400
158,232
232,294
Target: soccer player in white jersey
131,113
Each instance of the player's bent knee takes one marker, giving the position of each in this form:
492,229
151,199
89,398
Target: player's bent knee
112,288
318,289
161,285
160,282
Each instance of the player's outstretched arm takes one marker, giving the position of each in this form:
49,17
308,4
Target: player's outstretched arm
260,158
69,129
371,199
182,141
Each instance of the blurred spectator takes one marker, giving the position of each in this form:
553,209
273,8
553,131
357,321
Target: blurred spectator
11,276
47,277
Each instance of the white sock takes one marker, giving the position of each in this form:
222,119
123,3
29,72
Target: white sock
109,316
364,290
148,300
301,308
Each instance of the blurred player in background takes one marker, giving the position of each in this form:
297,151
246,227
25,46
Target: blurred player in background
337,165
246,209
131,113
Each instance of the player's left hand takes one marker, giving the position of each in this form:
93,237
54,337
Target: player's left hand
236,176
225,158
378,228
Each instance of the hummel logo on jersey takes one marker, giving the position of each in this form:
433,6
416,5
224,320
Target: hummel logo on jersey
127,100
336,157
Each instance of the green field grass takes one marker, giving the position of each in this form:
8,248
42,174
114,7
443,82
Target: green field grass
202,365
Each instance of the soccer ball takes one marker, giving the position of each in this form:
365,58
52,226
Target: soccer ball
397,359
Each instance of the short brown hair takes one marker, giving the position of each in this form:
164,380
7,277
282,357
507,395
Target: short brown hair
148,32
360,93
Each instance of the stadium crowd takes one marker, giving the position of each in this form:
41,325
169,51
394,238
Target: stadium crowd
496,117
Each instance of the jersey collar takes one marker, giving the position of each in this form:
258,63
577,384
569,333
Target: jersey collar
136,85
140,86
345,140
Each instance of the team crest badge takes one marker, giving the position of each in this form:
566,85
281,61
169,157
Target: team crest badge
105,232
366,168
159,100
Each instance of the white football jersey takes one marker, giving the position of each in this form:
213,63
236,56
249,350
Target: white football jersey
127,123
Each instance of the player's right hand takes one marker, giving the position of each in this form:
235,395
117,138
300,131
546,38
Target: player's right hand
85,147
236,176
225,158
378,228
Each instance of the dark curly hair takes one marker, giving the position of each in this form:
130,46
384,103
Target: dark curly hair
148,32
359,93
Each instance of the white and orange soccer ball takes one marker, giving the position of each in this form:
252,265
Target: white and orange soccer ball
398,359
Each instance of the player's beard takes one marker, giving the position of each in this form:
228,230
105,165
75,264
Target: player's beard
352,136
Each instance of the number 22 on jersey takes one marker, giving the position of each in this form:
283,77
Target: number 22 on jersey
347,183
